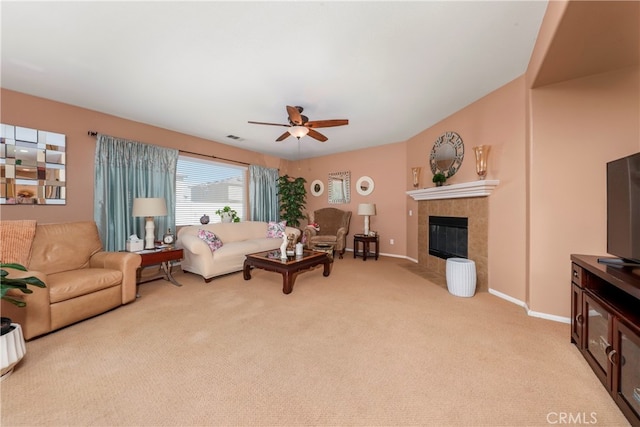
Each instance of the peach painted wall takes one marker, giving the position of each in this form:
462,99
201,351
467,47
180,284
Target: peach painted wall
549,148
498,120
386,166
577,127
550,162
32,112
552,19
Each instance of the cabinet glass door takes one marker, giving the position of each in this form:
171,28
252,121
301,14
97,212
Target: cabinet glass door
577,319
628,377
597,340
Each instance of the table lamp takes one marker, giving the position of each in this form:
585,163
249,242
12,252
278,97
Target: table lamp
149,207
366,209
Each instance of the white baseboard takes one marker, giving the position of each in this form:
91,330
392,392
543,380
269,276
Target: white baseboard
530,312
393,255
385,254
509,298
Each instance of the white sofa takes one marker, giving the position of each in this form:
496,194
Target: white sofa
238,240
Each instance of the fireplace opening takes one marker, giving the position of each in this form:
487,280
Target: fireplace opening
448,237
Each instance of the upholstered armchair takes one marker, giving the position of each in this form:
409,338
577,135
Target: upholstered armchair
333,227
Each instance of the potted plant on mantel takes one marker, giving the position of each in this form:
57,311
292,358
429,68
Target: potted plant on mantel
11,338
292,196
228,215
439,179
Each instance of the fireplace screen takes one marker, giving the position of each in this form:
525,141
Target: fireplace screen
448,237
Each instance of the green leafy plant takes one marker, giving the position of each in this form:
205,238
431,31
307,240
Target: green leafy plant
8,283
439,178
292,199
228,211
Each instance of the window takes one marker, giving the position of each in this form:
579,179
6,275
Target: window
204,186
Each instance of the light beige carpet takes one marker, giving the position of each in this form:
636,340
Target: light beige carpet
373,344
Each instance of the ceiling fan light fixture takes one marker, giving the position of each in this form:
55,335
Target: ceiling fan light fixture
298,131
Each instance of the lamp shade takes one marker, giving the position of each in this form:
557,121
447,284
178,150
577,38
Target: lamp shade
150,206
366,209
298,131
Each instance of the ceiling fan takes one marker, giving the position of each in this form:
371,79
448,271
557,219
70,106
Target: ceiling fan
299,125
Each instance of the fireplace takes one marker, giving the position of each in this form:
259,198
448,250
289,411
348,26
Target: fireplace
476,210
448,236
467,199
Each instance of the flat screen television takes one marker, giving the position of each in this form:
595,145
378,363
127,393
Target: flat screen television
623,210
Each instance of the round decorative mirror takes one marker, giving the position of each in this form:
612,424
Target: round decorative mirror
364,185
317,187
447,154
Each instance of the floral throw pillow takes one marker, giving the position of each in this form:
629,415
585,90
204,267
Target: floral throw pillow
210,239
275,230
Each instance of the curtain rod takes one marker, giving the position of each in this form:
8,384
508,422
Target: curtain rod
94,133
215,157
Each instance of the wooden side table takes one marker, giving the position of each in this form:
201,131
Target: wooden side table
366,242
162,257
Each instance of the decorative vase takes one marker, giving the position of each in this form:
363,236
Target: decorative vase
204,219
439,184
225,217
5,325
12,350
283,247
482,154
415,173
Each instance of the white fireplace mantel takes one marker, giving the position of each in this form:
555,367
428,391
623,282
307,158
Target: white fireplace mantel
480,188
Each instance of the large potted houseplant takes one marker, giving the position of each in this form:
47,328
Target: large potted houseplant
12,345
292,195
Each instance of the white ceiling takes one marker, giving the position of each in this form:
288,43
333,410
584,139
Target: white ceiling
206,68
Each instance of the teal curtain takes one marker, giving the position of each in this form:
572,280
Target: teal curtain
125,170
263,193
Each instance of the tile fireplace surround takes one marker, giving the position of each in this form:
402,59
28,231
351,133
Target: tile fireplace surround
458,200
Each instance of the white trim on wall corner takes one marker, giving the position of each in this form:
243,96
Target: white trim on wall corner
551,317
531,313
384,254
508,298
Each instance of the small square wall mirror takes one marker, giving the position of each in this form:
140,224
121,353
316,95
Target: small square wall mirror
339,186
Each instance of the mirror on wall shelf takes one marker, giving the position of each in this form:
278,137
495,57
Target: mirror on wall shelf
365,185
339,187
32,166
447,154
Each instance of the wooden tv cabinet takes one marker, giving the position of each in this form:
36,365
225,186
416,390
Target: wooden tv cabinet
605,326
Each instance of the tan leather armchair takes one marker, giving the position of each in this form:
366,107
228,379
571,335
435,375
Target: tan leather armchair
82,280
334,227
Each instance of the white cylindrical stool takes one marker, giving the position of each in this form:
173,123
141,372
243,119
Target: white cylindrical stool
461,277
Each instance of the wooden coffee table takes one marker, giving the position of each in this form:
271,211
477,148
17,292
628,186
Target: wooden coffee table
289,268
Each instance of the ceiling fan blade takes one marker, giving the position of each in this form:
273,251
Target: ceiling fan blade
327,123
317,135
294,115
283,136
270,124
